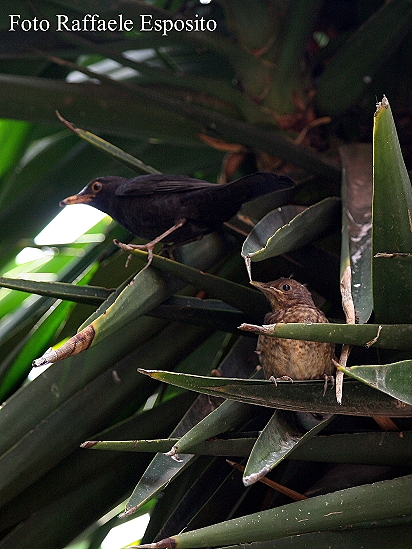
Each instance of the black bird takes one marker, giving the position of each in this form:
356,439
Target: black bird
173,208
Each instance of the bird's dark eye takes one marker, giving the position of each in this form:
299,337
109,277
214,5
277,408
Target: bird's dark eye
286,287
97,186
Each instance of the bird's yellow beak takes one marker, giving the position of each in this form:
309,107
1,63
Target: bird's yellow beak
77,199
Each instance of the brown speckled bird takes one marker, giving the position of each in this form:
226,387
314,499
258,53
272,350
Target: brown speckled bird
290,358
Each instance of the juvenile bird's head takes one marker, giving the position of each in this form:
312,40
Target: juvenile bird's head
284,293
98,193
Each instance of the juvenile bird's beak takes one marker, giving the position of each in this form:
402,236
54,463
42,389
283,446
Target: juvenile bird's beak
257,285
264,288
272,294
77,199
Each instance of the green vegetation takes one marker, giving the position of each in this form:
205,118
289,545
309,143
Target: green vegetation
279,86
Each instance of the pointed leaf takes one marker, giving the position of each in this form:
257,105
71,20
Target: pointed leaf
203,420
288,228
392,215
92,295
216,447
327,512
382,336
160,472
392,379
228,415
163,469
124,157
145,291
372,537
277,441
306,396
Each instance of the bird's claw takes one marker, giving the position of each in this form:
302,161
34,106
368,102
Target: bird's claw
130,247
149,247
275,380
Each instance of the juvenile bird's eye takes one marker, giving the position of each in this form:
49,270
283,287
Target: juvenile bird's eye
97,186
286,287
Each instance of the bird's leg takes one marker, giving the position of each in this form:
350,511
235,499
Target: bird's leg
327,379
149,247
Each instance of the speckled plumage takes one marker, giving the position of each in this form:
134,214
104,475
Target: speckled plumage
292,302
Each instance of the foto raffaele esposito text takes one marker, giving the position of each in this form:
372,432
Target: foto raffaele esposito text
94,23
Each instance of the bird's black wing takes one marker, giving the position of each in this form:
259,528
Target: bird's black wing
160,183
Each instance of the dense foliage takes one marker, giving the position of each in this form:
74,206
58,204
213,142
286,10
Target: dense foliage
273,85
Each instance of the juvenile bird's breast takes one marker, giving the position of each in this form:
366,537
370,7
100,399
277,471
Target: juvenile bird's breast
295,358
